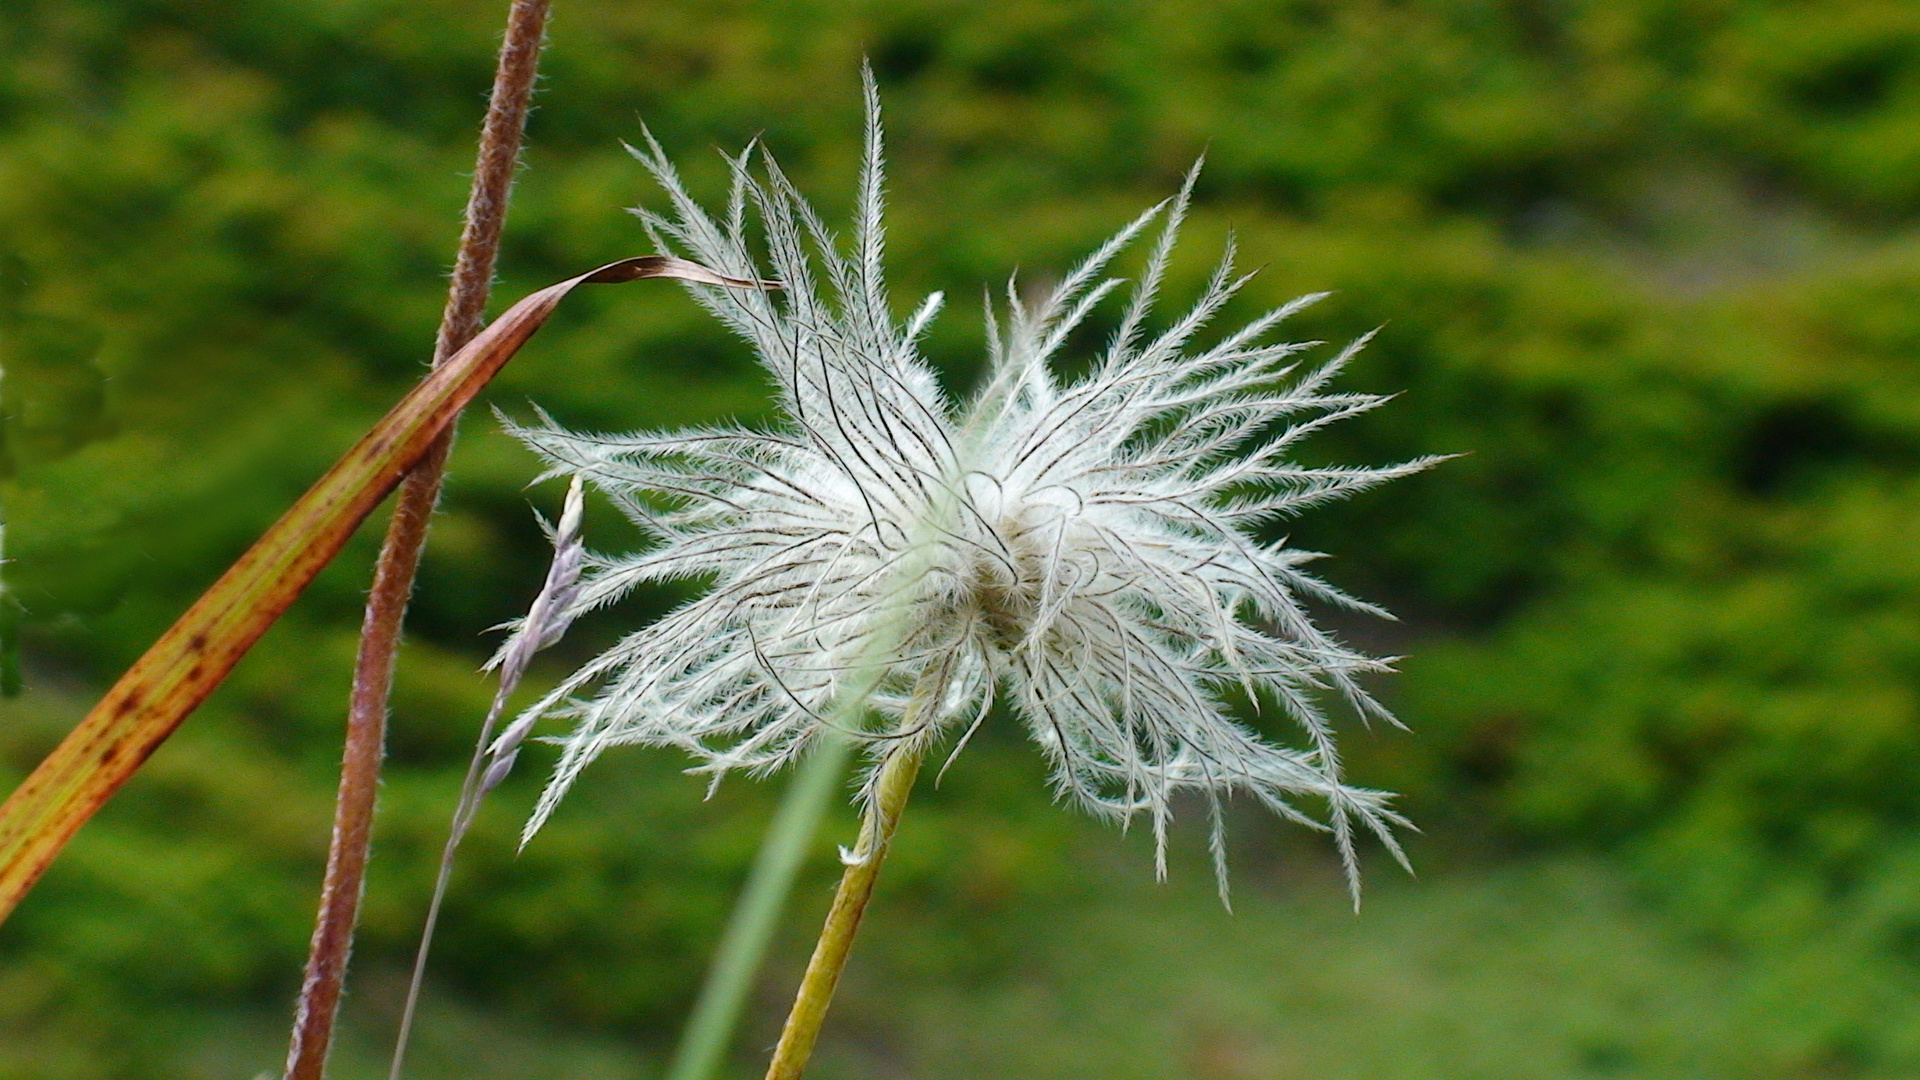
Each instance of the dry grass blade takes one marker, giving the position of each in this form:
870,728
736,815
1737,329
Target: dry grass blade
191,658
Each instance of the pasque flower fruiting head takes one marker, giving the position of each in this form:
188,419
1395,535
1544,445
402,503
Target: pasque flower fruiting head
1086,550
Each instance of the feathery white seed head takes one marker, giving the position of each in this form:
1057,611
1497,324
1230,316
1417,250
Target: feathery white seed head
1084,549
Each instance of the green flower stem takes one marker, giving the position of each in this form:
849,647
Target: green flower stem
769,883
890,790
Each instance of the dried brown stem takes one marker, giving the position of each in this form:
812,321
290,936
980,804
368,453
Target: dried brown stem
400,554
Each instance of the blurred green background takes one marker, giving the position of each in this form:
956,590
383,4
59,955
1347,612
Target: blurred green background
1652,265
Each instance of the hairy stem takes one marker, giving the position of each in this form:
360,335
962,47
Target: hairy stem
400,554
755,915
890,790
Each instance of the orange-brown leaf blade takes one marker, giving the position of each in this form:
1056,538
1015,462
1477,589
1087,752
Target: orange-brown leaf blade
185,665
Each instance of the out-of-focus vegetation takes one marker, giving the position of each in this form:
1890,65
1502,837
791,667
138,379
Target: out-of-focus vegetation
1652,265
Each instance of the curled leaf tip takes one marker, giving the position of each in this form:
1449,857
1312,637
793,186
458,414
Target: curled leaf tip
676,268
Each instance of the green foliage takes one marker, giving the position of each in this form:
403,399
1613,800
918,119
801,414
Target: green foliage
1649,265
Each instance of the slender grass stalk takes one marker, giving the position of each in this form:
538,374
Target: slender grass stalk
743,946
462,818
543,626
499,157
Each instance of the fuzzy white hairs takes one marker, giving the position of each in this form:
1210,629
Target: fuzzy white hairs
1083,550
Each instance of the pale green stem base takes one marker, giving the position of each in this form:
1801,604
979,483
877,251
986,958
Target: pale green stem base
744,945
890,792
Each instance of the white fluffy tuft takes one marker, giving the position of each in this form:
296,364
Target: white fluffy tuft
1084,549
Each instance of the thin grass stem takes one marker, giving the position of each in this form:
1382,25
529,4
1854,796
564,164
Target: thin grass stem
462,818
